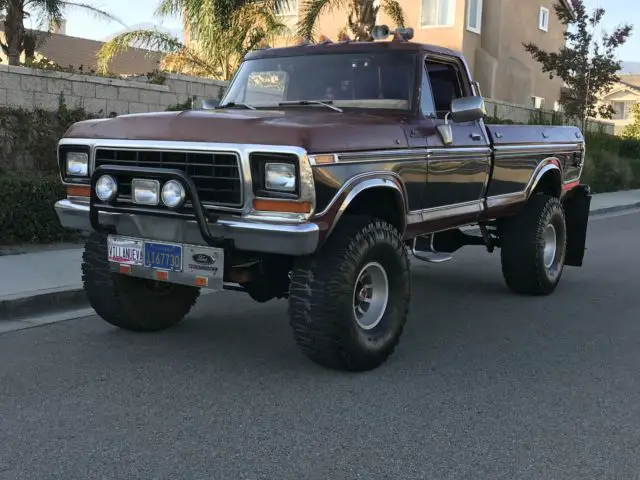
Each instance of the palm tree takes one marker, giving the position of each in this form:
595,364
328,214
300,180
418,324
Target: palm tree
221,32
361,19
48,12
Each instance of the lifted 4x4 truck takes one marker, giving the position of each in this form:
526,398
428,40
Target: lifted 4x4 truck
315,177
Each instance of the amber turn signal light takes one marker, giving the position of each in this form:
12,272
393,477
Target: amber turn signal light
266,205
78,191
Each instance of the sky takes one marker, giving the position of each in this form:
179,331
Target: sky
133,12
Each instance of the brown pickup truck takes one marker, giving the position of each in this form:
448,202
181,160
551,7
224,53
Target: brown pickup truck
316,176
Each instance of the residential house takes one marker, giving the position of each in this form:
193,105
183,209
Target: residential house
490,33
66,51
622,97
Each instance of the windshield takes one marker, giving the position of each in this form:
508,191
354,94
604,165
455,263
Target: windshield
378,80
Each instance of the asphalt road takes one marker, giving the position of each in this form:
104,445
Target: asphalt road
484,385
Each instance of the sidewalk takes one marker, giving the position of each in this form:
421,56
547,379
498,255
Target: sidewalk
50,280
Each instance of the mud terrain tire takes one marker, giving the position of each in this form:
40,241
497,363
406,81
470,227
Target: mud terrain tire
526,268
127,302
326,309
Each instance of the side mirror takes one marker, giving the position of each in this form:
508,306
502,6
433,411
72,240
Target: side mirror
210,104
467,109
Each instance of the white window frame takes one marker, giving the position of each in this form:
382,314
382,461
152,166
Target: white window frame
451,16
538,102
478,28
293,12
541,17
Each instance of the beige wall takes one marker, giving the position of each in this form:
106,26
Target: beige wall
496,56
520,76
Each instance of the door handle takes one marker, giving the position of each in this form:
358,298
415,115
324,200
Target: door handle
476,137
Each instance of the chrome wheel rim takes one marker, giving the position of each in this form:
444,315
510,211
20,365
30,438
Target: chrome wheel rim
370,295
550,245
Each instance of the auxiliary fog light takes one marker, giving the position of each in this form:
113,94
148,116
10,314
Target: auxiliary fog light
173,194
145,191
106,188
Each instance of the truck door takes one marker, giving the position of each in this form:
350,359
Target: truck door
458,172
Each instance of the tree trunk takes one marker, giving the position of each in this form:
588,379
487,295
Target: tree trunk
14,30
362,19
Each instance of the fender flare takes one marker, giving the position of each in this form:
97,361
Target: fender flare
547,165
357,185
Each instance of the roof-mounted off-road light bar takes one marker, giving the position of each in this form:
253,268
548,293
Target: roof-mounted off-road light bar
379,32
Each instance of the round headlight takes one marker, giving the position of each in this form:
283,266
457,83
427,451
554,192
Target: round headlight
173,194
106,188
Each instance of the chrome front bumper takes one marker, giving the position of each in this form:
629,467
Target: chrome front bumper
297,240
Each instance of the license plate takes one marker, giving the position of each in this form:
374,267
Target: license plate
163,256
127,251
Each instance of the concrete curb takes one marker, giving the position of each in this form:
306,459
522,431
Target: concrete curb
72,298
15,307
614,209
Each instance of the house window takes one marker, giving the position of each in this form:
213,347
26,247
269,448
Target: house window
543,21
623,110
538,102
437,13
286,7
474,15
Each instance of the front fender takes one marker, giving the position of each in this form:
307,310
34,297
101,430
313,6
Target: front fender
353,189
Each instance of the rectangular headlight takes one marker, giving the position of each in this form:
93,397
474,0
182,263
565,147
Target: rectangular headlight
280,177
145,192
77,164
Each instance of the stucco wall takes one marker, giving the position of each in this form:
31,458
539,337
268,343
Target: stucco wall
29,88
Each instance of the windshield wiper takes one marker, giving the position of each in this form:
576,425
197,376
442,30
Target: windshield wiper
236,104
311,102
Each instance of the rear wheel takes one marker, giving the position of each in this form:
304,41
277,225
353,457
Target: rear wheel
127,302
534,246
349,302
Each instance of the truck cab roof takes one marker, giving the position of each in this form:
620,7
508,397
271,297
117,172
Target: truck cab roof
351,47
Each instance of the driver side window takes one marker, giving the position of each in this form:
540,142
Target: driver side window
445,85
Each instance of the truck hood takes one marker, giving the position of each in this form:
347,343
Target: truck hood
309,127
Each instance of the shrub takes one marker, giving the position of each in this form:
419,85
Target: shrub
26,209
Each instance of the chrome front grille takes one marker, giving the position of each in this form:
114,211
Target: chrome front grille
216,175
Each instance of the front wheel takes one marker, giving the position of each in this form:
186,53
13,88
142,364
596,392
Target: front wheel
534,246
131,303
349,302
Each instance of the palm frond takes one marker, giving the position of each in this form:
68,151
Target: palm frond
52,10
393,9
152,40
311,12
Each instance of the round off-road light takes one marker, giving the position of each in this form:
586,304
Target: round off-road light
106,188
172,194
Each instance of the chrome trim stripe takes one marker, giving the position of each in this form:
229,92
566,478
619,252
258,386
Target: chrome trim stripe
426,153
307,189
437,213
539,146
416,154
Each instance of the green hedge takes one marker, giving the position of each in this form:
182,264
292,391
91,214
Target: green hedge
612,163
26,210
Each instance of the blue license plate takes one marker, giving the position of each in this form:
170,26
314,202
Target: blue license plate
163,256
